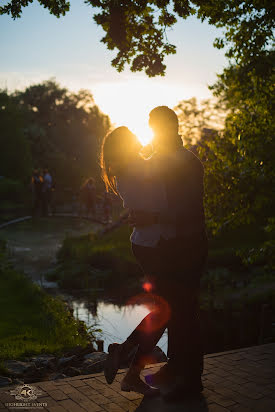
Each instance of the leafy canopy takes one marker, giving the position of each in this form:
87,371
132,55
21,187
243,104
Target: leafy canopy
137,28
51,127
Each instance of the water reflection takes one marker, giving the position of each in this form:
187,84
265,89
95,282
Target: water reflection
115,321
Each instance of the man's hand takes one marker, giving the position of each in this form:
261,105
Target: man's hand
139,218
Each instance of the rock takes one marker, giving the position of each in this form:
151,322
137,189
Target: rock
5,381
96,356
89,366
36,374
55,376
47,361
19,368
17,381
66,360
72,371
80,351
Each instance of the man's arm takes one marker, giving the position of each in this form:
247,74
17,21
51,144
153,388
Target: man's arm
190,210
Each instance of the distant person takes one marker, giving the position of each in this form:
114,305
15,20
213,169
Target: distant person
36,186
88,196
46,192
107,207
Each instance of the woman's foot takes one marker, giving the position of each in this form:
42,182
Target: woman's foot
135,384
112,362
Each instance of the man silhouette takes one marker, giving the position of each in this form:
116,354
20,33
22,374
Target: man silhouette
182,253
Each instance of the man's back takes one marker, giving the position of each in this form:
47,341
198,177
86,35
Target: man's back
183,174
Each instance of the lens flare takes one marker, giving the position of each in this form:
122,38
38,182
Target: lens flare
160,311
147,286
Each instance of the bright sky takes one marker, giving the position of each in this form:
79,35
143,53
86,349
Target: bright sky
39,46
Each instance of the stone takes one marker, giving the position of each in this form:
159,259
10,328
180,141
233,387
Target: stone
72,371
19,368
47,361
89,366
5,381
64,361
55,376
96,356
35,375
16,381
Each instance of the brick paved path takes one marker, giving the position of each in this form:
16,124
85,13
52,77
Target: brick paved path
241,380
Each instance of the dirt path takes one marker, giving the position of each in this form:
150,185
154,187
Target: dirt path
33,243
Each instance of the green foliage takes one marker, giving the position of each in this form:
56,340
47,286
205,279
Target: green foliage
137,28
195,119
47,126
97,262
32,321
265,253
15,153
14,7
240,176
12,190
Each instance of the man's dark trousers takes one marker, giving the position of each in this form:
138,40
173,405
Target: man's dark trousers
175,267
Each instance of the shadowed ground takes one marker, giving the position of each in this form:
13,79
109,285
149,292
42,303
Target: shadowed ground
241,380
33,243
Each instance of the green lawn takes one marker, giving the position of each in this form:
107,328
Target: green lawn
32,321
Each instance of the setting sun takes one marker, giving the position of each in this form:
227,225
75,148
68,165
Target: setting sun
129,102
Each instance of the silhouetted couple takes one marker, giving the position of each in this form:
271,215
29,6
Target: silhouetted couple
165,197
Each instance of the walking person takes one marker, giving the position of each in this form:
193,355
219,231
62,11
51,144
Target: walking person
88,196
46,192
107,207
36,186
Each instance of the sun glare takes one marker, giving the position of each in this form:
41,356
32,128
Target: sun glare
143,132
128,103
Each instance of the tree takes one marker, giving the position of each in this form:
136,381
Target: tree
240,175
15,153
196,119
137,28
62,131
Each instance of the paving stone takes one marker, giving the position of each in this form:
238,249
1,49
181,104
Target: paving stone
113,407
57,408
58,395
71,406
265,405
66,388
213,407
48,400
98,398
237,381
239,408
87,390
77,383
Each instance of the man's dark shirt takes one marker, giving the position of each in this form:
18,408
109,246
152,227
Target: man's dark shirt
182,173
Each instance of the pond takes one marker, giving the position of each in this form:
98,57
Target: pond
115,321
33,245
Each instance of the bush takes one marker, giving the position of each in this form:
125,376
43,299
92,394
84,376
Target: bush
34,322
11,190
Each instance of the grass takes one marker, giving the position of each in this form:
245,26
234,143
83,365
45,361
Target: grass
91,261
33,322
